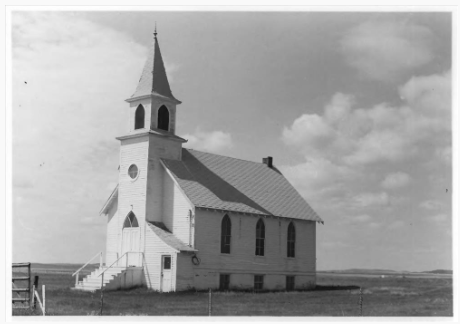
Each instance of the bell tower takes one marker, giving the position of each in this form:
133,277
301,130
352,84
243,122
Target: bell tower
150,137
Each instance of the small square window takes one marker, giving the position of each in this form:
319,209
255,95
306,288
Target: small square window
290,283
258,282
224,283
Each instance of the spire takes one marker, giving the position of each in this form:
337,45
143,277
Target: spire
153,79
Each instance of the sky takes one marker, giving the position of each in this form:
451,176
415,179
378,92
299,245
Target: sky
354,108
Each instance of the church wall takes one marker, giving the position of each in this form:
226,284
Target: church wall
112,234
185,274
132,192
242,263
176,211
154,249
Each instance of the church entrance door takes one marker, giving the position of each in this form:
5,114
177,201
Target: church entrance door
131,240
165,273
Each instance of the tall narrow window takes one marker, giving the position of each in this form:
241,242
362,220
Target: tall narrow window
290,283
131,221
260,237
225,236
291,241
139,118
224,282
163,118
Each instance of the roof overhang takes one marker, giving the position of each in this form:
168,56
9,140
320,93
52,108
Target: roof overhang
154,94
113,196
155,133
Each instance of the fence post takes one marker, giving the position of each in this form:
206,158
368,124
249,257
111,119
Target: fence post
360,302
32,303
210,302
102,293
44,300
33,294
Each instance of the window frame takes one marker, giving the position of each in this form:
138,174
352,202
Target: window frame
291,240
258,282
161,117
260,238
224,281
290,285
131,221
139,122
225,237
137,172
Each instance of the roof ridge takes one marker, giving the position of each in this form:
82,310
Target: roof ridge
229,157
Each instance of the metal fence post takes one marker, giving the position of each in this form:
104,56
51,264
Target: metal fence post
102,293
360,302
44,300
210,302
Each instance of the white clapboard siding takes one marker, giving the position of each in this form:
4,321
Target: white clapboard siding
176,210
112,234
184,270
242,261
132,114
132,193
154,249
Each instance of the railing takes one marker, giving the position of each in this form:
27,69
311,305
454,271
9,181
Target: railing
116,261
78,271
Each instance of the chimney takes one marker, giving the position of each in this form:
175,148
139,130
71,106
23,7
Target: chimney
268,161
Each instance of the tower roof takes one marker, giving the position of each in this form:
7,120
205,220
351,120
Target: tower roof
153,78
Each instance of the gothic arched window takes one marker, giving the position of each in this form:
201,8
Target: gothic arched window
260,237
226,234
131,221
139,117
163,118
291,241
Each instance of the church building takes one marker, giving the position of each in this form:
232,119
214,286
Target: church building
183,219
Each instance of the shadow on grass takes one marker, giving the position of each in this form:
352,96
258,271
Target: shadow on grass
321,287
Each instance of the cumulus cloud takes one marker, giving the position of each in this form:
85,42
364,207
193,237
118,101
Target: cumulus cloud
214,141
346,134
396,180
384,50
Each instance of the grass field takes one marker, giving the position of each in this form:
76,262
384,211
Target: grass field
336,295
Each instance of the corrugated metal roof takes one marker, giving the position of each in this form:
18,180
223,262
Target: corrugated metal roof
166,236
220,182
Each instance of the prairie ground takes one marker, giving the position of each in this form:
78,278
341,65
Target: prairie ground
336,295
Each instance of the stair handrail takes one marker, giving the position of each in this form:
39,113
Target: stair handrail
100,262
78,271
116,261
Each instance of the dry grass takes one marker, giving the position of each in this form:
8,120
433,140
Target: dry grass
336,296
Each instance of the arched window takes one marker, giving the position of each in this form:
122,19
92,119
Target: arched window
260,237
291,241
139,118
163,118
226,234
131,221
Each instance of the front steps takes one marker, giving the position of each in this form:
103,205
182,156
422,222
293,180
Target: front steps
93,281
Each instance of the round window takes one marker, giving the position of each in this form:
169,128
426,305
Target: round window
133,171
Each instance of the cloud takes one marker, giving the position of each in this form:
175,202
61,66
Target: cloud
396,224
396,180
372,199
68,107
384,50
432,204
346,134
438,218
214,141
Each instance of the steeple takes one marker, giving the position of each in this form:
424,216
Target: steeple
153,80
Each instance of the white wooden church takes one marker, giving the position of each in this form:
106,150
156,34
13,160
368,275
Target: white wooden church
183,219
